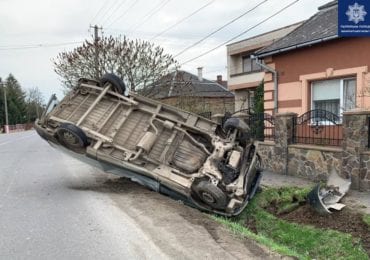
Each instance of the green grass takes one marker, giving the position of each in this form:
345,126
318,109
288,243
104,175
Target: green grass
366,219
245,232
284,198
301,241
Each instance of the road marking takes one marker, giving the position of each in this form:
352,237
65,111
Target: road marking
11,141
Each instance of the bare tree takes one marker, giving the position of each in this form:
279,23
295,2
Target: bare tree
139,63
34,103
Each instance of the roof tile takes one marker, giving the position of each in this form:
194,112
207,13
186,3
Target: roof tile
182,83
322,25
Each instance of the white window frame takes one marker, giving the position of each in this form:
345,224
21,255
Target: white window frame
341,98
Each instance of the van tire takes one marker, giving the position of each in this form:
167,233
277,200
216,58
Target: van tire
117,84
72,137
210,194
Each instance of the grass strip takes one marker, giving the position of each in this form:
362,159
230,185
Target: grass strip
366,219
245,232
291,239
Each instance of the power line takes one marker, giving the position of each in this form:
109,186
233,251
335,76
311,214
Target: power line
182,20
244,32
123,14
114,12
102,17
150,14
220,28
34,46
101,9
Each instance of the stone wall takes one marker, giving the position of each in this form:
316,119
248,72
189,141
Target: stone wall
364,183
313,162
310,162
355,148
351,160
269,161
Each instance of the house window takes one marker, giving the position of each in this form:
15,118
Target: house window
250,65
336,95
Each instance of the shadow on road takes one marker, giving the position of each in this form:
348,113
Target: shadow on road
107,184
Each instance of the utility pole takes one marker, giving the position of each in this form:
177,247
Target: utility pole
6,126
96,44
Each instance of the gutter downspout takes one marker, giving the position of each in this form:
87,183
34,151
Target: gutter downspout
274,72
263,65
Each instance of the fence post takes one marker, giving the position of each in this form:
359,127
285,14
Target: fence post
283,137
356,155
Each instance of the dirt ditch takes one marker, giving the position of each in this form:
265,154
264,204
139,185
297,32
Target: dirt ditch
346,221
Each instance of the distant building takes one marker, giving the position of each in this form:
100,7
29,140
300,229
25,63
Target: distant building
244,75
222,82
192,93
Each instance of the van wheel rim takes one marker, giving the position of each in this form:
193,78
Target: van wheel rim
208,198
70,138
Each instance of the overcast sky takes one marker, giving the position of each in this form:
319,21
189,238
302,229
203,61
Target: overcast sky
25,23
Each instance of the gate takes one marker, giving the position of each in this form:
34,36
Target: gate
318,127
262,125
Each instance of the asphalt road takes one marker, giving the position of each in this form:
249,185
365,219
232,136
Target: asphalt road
55,207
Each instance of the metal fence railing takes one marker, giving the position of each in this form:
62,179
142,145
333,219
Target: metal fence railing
16,128
318,127
315,127
262,125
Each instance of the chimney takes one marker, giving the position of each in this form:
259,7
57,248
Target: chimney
200,73
219,79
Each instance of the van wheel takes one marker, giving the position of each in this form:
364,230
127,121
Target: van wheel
116,82
72,137
210,194
235,123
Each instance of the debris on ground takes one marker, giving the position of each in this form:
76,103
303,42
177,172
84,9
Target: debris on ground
324,199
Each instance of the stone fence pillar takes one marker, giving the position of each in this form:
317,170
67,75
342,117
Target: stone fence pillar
356,155
283,137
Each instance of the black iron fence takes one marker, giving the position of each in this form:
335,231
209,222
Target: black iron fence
262,125
318,127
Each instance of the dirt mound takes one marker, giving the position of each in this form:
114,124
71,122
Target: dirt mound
346,221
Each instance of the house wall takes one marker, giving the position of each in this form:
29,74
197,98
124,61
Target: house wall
236,50
241,99
245,80
235,64
337,58
216,105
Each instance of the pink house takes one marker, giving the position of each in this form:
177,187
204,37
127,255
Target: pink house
244,75
316,69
